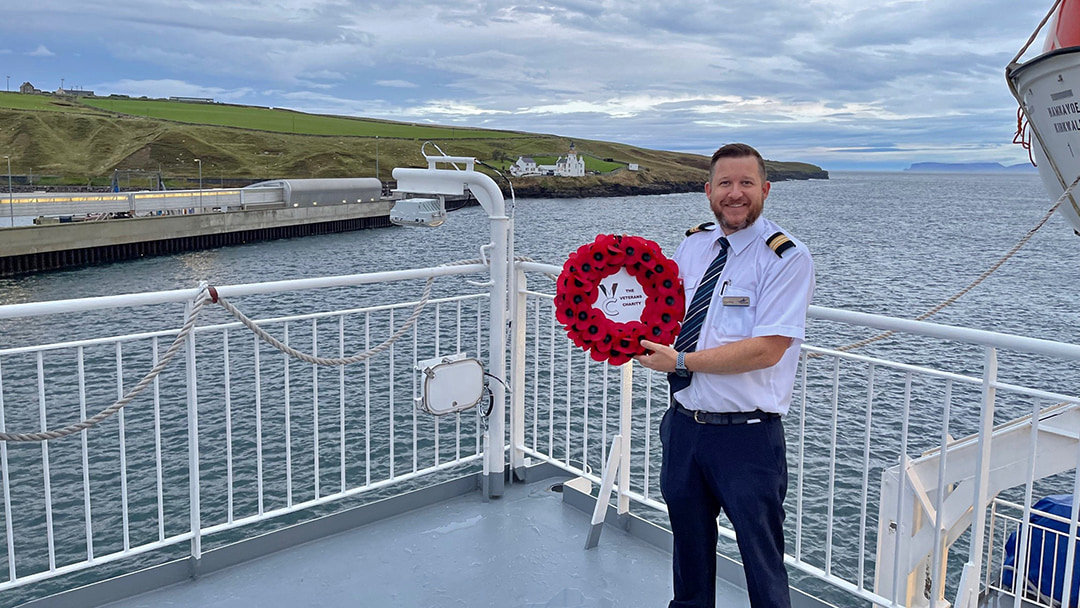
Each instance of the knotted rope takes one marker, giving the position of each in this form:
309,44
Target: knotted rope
189,325
209,295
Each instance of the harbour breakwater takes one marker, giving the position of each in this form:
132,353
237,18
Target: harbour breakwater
31,249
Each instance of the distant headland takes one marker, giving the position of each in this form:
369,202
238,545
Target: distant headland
76,139
971,168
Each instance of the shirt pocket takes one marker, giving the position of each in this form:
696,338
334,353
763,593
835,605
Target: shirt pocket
735,320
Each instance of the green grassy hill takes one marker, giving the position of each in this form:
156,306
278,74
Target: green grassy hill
84,140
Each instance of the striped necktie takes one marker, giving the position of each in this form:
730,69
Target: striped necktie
698,310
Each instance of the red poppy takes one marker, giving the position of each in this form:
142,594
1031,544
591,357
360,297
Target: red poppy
666,320
616,252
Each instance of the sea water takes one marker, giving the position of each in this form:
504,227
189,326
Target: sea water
887,243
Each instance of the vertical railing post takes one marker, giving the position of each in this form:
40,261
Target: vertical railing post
967,594
5,472
1070,553
626,402
500,267
193,445
517,379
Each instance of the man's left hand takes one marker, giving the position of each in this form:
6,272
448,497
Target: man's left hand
661,358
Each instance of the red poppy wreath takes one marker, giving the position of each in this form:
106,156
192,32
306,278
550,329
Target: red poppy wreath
615,291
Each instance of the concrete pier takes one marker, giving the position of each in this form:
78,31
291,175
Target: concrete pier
28,249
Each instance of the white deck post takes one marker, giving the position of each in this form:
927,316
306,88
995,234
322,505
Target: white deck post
967,594
626,400
517,382
453,182
193,445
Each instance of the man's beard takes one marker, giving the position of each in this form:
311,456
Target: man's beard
749,221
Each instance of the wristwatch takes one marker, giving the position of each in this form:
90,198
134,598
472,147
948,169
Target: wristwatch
680,366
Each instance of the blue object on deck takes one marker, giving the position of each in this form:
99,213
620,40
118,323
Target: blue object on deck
1049,550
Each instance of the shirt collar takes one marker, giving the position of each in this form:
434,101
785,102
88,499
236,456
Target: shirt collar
741,239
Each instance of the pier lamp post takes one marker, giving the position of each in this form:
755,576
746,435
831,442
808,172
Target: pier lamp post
11,197
376,157
200,184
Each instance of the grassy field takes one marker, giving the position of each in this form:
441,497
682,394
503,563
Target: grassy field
81,142
18,101
281,121
601,166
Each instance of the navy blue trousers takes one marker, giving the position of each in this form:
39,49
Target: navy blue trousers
742,470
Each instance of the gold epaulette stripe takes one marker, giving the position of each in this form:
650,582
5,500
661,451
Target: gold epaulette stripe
699,228
779,243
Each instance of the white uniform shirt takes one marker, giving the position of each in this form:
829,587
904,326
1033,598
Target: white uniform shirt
758,294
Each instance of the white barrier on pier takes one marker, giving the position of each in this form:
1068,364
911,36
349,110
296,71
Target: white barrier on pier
141,203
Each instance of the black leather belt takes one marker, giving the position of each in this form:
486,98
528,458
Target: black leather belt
723,419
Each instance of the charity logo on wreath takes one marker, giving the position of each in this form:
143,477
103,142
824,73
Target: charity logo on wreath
615,291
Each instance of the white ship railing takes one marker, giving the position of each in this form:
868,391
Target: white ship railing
853,419
235,440
237,436
1007,529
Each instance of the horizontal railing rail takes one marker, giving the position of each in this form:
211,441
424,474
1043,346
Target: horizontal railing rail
36,309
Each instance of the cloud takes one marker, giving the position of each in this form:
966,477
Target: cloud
397,84
41,51
164,88
865,81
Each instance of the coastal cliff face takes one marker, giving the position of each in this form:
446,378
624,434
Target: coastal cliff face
633,183
810,172
590,188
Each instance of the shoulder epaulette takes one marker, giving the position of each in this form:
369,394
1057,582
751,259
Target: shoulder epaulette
700,227
779,243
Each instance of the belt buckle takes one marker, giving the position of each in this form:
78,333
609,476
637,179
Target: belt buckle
698,420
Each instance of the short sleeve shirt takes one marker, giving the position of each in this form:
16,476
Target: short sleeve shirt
759,293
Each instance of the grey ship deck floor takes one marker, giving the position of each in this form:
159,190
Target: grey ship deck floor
523,550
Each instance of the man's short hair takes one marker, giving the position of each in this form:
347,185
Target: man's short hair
738,151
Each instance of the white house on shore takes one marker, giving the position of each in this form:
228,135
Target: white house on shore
566,166
525,165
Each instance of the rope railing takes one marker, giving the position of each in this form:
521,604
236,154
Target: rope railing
189,325
208,295
329,361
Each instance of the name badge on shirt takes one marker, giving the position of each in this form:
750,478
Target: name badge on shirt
736,301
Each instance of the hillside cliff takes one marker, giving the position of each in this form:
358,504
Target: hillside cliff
79,144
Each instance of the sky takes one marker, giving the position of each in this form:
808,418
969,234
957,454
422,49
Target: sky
844,84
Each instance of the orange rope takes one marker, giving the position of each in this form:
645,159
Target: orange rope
1021,137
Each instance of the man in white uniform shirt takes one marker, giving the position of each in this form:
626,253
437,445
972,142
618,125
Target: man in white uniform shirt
731,370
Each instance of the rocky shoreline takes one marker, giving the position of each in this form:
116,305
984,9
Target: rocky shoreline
598,187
